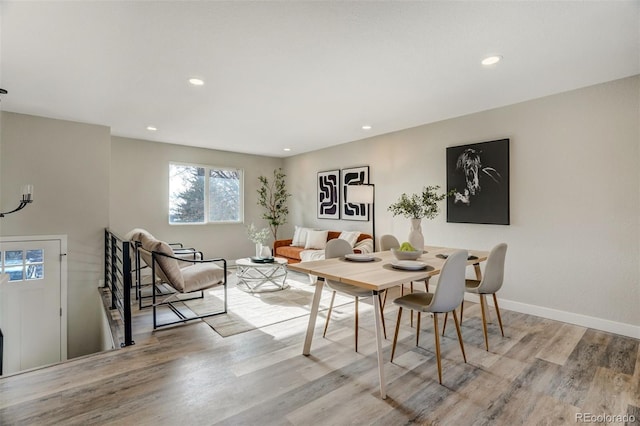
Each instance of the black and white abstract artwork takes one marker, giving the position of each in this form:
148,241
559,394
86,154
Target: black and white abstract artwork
329,194
353,176
479,176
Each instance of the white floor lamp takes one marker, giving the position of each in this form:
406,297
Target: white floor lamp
364,193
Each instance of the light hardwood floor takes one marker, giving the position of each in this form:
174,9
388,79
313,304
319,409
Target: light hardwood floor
542,373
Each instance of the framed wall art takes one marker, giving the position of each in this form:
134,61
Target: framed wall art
352,176
478,174
329,194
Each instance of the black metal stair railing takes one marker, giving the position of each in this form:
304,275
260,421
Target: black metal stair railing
117,273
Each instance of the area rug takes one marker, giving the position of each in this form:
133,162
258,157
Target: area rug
249,311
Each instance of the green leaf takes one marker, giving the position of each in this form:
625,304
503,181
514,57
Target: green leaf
420,205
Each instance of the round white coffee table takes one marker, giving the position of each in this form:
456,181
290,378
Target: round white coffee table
254,277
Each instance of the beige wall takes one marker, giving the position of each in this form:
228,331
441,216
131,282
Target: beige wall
140,194
68,164
574,234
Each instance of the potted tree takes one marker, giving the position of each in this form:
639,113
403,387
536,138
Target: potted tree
416,207
273,195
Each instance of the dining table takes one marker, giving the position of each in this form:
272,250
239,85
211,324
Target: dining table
377,272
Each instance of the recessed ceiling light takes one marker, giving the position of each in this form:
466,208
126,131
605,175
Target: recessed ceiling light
491,60
287,149
152,128
366,127
196,81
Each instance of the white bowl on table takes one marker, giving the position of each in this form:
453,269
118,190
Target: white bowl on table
406,255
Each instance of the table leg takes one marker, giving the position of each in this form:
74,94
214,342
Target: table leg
378,317
315,304
252,278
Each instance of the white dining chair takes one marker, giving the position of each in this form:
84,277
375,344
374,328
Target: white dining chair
490,283
338,248
447,297
387,242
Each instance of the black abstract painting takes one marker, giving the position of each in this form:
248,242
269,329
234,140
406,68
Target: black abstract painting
329,195
353,176
478,174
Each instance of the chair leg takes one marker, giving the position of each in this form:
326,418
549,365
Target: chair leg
153,302
384,326
446,315
484,322
495,302
444,326
356,324
326,323
455,319
402,294
411,288
395,336
417,328
384,299
437,337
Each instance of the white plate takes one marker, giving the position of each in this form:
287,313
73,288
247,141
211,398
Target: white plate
409,265
359,257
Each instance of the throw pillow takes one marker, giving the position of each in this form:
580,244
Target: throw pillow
136,234
365,246
316,240
300,236
350,236
168,270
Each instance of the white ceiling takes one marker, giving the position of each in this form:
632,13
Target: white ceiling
300,75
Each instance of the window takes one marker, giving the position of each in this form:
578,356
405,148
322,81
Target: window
23,264
204,194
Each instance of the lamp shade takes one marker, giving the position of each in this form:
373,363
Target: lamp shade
360,194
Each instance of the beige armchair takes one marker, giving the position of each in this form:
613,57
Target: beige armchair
141,280
183,276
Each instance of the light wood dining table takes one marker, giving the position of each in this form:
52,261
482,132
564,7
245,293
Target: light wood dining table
377,275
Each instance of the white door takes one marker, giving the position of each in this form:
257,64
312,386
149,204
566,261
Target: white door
31,303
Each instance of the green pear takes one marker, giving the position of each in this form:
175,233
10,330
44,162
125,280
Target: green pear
406,246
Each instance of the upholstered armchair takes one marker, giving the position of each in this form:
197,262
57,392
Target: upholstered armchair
184,276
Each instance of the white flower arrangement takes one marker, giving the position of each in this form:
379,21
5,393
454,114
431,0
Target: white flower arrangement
258,236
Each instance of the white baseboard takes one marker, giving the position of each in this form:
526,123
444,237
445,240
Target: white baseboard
623,329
